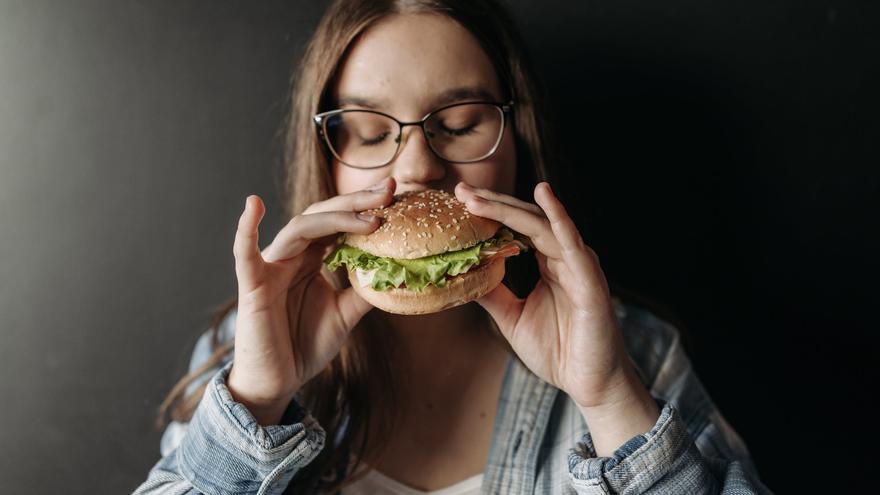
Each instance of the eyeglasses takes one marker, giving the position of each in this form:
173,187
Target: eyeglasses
458,133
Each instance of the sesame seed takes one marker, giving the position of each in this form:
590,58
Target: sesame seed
454,238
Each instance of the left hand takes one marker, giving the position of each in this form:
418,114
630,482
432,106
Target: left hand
566,330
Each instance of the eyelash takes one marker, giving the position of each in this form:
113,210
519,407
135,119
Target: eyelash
375,141
460,132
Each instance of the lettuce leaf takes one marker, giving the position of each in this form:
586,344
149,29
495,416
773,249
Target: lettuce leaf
417,273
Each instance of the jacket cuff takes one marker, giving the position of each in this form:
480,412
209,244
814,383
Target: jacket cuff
225,450
665,456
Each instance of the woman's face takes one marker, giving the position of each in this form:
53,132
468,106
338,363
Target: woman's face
404,65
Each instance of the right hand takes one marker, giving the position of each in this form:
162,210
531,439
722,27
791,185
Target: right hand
291,321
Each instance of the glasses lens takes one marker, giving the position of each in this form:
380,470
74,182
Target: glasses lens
362,139
465,133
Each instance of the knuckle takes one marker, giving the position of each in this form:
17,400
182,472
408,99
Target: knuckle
590,252
237,244
296,222
242,223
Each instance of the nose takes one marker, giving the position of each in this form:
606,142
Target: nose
416,164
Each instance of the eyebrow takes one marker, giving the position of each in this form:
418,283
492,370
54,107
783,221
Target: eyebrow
452,95
359,101
463,93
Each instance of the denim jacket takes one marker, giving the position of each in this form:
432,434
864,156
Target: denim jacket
540,442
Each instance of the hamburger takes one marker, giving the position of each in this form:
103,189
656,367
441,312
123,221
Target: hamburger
428,254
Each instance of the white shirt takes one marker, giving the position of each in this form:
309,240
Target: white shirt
376,482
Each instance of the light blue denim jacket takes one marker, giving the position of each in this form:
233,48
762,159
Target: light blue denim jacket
540,443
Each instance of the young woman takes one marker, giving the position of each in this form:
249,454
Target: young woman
300,388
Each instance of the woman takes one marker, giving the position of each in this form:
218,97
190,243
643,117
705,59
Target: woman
567,390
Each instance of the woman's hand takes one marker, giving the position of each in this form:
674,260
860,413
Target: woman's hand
291,320
566,330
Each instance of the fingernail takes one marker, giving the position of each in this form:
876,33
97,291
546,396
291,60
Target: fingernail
465,186
366,218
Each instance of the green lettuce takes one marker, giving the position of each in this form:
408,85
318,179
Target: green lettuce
417,273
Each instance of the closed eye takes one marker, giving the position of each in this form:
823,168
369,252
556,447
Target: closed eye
376,140
459,132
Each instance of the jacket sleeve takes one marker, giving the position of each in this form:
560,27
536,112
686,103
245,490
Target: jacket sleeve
223,450
690,449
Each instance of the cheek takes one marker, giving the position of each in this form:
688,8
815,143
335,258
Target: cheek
498,173
348,180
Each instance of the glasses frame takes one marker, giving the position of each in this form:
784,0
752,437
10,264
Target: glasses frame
320,121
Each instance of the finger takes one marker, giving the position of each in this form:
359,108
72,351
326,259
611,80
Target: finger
504,307
536,227
379,194
574,251
352,307
248,260
463,190
296,236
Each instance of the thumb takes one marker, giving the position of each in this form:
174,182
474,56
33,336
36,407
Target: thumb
248,259
504,307
352,307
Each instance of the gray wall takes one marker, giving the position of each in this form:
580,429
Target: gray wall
725,166
130,135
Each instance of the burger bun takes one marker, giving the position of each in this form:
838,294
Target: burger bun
458,290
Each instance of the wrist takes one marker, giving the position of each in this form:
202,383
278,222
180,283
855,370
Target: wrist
617,386
266,411
629,411
622,387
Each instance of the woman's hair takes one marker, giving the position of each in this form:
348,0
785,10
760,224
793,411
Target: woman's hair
339,397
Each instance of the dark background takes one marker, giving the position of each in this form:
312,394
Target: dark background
723,163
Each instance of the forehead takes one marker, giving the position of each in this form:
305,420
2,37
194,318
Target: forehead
406,63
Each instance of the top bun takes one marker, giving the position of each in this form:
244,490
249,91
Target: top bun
423,223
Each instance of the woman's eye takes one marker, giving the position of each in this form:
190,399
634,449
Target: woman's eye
462,131
374,141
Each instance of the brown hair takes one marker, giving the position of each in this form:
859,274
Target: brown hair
339,394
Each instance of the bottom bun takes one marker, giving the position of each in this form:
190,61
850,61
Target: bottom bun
458,290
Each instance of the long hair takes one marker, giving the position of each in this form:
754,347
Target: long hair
338,397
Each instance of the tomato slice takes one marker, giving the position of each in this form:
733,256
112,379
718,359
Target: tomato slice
509,249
